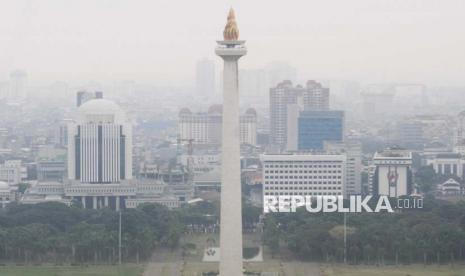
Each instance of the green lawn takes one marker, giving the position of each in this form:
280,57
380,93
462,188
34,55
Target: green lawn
408,270
126,270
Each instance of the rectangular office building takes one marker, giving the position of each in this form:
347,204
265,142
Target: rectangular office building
316,127
303,174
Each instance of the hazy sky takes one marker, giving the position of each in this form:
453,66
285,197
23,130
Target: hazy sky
159,41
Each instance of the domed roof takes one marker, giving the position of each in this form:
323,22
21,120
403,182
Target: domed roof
101,107
251,111
4,186
216,108
185,110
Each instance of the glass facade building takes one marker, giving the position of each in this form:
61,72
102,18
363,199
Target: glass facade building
315,127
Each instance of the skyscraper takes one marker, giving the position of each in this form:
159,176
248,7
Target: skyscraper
281,96
285,99
230,50
206,127
316,127
205,85
18,85
316,97
100,155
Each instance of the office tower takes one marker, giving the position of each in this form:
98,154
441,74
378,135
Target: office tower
215,123
205,85
193,126
392,174
292,132
410,134
353,151
230,50
303,174
84,96
316,97
316,127
285,99
100,148
248,127
100,155
281,96
206,127
18,85
61,135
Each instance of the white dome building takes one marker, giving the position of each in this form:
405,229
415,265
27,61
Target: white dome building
99,152
100,144
101,111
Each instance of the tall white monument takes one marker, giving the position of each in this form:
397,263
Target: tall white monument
230,50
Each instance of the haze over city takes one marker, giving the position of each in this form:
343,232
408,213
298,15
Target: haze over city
230,138
158,42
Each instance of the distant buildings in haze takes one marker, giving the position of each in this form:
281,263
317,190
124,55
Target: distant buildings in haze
205,127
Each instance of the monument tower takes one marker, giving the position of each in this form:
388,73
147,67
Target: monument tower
230,50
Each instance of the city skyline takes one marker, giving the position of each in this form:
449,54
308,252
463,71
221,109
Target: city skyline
370,42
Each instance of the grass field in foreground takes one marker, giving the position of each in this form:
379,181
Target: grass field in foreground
126,270
408,270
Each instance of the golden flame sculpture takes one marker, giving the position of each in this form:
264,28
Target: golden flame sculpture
231,32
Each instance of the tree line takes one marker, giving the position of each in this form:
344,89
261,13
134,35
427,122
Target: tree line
435,233
54,232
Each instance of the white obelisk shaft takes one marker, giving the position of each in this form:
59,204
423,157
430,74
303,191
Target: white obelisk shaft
231,205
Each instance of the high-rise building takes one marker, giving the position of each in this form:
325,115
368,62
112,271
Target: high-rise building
286,98
206,127
205,84
248,127
100,155
392,174
100,147
410,134
316,127
293,112
281,96
316,97
303,174
18,85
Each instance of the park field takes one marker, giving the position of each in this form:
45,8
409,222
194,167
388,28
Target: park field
126,270
410,270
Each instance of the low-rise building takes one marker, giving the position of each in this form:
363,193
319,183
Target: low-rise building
303,174
392,174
